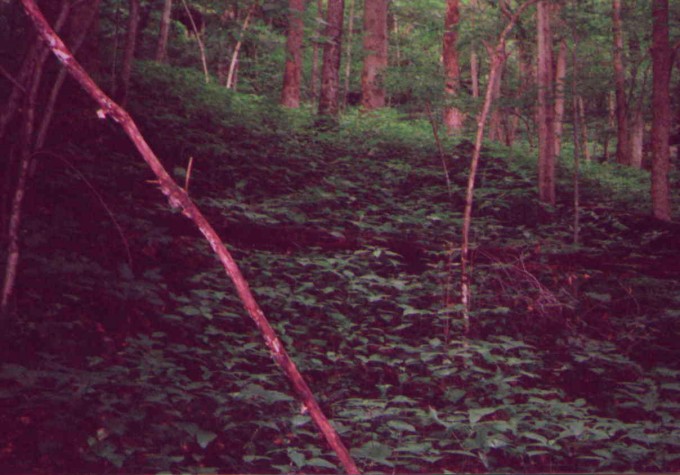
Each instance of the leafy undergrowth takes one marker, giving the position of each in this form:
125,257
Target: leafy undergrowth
131,353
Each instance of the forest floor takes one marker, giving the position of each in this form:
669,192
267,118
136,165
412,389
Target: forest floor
130,352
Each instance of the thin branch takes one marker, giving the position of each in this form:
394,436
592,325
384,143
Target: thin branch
11,79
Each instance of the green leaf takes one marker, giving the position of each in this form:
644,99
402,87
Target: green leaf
204,437
319,462
401,426
474,415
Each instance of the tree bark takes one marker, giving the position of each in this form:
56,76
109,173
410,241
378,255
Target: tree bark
290,94
623,139
546,107
129,53
179,199
584,129
375,55
231,75
330,68
560,87
474,73
314,80
453,117
163,33
348,55
661,111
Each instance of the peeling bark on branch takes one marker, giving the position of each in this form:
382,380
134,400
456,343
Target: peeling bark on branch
178,198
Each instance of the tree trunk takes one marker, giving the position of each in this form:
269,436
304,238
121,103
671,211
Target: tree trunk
496,119
453,117
560,87
623,140
231,75
348,55
636,136
375,55
129,53
584,129
546,107
330,68
661,111
162,46
474,73
290,94
314,80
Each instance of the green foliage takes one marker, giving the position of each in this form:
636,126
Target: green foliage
349,240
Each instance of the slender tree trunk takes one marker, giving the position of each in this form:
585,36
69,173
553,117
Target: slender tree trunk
497,60
129,53
375,55
290,94
661,111
348,54
560,87
584,128
231,75
546,107
623,140
496,119
163,33
33,78
199,40
453,117
636,134
315,52
474,73
80,33
330,69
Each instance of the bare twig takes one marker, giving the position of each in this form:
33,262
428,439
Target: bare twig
440,149
187,178
178,198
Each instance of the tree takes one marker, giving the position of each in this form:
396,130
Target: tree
162,46
546,109
129,53
375,54
330,68
290,94
453,117
622,143
661,112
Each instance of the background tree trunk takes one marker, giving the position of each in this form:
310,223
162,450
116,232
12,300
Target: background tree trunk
348,54
129,53
546,107
290,94
163,33
453,117
661,111
314,80
375,54
330,68
560,87
623,141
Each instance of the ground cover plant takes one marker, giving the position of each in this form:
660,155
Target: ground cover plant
130,352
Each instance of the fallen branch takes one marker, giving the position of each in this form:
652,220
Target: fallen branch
178,198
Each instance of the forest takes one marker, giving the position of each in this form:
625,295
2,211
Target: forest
339,236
